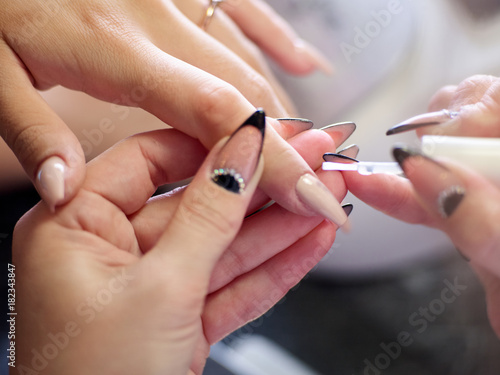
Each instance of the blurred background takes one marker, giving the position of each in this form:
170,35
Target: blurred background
373,305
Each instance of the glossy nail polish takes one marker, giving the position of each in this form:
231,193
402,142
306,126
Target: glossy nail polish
317,196
340,132
351,151
338,158
239,157
435,183
50,181
420,121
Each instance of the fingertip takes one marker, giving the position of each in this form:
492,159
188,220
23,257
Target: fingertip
58,180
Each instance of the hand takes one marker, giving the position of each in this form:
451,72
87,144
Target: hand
448,196
137,54
90,300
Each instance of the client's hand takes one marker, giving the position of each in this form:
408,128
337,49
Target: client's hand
448,196
135,53
116,282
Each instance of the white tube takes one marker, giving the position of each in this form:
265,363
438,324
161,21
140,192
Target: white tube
480,154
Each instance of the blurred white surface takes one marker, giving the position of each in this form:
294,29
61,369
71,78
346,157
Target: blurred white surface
417,48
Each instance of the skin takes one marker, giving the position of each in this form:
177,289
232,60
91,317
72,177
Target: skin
473,226
148,55
187,280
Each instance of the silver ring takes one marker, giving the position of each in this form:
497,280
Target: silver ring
209,13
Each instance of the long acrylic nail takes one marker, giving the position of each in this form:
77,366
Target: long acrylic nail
317,196
236,163
50,181
420,121
338,158
296,125
351,151
340,132
435,183
313,56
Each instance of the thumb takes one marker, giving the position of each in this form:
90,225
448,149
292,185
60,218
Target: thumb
213,206
48,151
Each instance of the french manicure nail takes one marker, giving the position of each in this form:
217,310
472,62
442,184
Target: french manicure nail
338,158
435,183
315,57
317,196
237,160
50,180
348,207
297,125
340,132
426,119
351,151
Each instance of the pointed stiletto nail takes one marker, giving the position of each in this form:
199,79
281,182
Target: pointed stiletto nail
238,159
313,56
297,125
317,196
50,181
338,158
344,130
426,119
351,151
435,183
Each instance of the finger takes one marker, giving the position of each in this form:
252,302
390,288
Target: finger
151,220
463,203
212,207
275,36
255,292
476,100
142,163
389,194
291,228
48,151
226,34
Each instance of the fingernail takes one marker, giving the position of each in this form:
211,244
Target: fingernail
317,196
348,210
340,132
351,151
313,56
427,119
435,183
338,158
236,163
296,125
50,180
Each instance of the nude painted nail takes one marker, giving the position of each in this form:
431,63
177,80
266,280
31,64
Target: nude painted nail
317,196
50,181
315,57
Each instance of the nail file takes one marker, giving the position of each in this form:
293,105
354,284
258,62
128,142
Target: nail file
364,167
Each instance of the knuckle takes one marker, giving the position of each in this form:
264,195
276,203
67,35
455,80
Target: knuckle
212,103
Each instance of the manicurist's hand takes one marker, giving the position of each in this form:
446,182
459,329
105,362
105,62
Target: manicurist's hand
135,53
446,195
116,282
